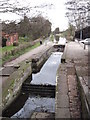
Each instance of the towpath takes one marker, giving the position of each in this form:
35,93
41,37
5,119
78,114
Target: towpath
68,103
29,54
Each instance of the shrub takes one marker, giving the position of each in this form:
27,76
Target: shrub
15,43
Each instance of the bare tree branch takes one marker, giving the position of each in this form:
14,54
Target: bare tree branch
9,6
78,12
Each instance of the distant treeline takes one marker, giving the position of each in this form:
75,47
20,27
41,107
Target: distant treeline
85,33
34,28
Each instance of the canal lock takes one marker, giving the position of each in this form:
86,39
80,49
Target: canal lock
37,97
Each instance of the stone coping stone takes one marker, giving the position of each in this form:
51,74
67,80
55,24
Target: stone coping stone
62,99
36,57
6,71
62,113
43,115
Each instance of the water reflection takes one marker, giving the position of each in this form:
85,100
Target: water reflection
62,41
47,75
59,40
36,104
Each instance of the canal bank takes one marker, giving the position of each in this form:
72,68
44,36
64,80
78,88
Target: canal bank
25,70
43,82
73,88
17,71
41,90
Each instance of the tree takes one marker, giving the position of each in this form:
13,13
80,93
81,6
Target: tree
24,26
27,26
57,30
17,7
13,7
78,12
10,27
35,27
40,27
71,30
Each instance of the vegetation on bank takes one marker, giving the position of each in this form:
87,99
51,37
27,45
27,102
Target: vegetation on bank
28,29
13,52
69,33
32,28
7,48
52,37
22,40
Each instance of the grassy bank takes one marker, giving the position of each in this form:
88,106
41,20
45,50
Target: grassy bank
22,40
7,48
11,57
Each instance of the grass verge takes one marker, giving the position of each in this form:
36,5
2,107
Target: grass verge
11,57
7,48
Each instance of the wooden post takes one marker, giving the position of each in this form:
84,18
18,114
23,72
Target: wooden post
84,46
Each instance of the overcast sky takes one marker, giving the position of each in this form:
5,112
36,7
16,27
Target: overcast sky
55,13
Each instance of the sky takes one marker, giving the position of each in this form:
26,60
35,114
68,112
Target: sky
55,13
